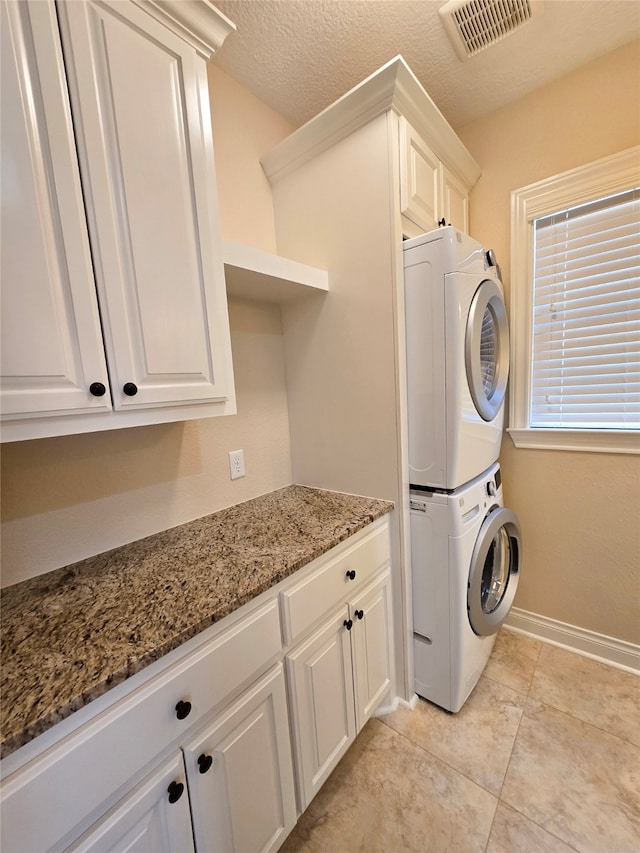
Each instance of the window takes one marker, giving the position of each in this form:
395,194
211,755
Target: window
575,309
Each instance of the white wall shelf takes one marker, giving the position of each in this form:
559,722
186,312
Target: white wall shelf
255,274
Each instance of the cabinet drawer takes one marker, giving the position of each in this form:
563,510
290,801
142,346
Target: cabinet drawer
68,784
320,591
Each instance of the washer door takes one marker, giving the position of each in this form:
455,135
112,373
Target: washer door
494,571
486,350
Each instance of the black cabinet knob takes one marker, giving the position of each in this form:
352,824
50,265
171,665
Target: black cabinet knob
175,791
205,762
183,709
348,624
351,575
97,389
442,222
130,389
359,614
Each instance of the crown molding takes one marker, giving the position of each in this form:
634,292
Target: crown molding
392,87
197,21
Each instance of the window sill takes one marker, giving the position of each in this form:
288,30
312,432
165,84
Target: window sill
594,441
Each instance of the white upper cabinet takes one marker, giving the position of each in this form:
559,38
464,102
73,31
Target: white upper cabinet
51,340
435,171
455,200
429,191
142,129
419,179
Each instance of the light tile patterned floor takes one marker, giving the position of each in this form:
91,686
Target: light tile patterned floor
544,756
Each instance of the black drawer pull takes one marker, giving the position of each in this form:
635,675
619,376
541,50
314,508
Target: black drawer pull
204,762
130,389
359,614
348,624
183,709
351,574
175,791
97,389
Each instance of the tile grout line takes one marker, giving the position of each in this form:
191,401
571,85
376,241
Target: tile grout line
504,802
513,746
438,758
569,714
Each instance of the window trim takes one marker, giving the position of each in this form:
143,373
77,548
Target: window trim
610,175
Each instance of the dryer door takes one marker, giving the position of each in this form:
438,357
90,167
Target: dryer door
486,349
494,571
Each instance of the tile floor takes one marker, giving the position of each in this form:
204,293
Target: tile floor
544,756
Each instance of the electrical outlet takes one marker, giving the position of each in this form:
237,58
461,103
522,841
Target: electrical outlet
236,463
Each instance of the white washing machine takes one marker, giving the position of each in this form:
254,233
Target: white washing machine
457,344
465,563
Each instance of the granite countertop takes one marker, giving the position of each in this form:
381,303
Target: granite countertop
74,633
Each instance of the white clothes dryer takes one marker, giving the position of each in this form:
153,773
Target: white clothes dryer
465,564
457,345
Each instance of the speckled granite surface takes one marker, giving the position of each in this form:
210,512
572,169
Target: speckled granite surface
72,634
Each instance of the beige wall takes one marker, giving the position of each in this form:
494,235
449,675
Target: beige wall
579,511
244,128
67,498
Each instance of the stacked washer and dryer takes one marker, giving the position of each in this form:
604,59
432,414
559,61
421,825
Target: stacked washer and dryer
465,545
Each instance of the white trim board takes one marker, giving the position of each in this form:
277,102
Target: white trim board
398,702
618,653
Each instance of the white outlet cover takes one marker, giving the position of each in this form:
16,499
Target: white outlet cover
236,464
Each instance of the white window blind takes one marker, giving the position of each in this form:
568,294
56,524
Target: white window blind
585,371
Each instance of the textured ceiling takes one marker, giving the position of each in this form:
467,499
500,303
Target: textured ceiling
299,56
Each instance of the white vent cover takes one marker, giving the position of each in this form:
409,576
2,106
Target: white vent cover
473,25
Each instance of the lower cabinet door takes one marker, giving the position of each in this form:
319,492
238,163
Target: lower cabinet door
240,773
371,645
321,682
153,818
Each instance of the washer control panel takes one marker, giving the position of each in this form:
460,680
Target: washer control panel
492,486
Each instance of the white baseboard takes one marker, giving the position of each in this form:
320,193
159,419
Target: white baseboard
383,710
618,653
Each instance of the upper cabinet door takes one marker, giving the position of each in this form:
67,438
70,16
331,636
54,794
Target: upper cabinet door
141,111
419,179
52,348
455,201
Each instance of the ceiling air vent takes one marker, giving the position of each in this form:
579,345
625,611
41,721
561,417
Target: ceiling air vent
473,25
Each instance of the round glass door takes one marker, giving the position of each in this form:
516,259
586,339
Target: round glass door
487,350
494,571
